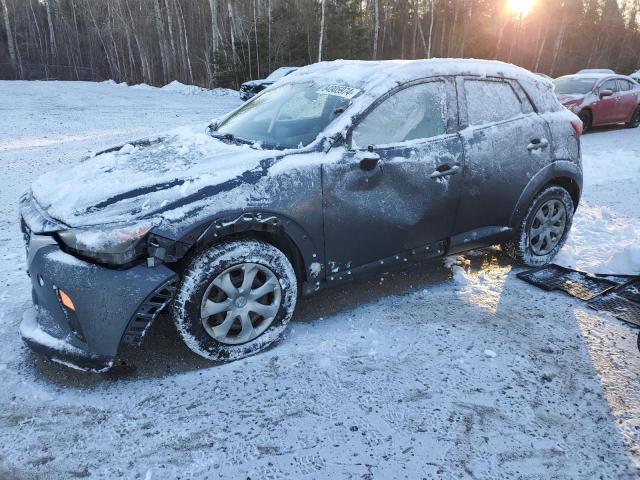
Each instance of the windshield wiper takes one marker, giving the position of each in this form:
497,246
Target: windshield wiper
231,138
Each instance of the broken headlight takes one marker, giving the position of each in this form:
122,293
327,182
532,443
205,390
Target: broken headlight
113,244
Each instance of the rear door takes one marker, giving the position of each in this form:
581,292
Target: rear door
505,143
406,196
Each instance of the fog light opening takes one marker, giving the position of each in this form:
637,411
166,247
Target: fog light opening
66,300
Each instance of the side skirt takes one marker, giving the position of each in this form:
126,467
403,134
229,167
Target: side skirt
479,238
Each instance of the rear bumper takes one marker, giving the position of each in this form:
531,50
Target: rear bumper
111,306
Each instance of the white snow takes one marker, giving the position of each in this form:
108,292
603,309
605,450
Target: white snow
374,380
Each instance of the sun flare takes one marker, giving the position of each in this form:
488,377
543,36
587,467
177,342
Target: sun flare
520,8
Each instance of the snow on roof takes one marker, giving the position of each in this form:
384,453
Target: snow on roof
375,78
384,74
595,70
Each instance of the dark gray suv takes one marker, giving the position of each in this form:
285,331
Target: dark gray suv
341,169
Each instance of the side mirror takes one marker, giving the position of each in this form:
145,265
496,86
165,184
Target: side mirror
606,93
369,160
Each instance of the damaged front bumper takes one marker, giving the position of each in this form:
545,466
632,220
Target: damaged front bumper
107,307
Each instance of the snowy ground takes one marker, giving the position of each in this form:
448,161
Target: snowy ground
439,372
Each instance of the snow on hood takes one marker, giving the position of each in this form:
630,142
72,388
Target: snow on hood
142,178
566,97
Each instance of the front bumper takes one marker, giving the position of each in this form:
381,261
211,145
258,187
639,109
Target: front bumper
111,306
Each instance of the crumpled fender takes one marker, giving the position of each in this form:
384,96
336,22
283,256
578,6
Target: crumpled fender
213,230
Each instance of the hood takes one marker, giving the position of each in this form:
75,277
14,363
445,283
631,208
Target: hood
570,98
257,83
144,178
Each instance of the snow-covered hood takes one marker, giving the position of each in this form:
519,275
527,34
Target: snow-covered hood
570,98
257,83
144,178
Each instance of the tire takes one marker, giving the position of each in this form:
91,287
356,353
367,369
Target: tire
587,120
212,297
635,119
551,211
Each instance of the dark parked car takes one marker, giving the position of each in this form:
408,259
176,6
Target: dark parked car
600,99
253,87
342,170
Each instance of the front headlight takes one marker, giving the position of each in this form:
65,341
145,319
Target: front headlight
114,244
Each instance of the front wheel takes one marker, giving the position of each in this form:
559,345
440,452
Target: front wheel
586,119
544,228
235,299
635,119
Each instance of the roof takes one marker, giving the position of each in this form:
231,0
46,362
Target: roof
375,78
596,76
372,76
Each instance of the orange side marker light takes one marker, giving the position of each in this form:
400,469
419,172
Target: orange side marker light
66,300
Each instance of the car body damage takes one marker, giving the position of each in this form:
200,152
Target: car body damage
365,187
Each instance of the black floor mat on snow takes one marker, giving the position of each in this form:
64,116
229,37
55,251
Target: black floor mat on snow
618,295
577,284
622,302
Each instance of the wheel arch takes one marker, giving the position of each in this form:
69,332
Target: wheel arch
563,173
273,228
590,112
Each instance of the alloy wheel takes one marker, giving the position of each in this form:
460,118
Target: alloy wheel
240,303
548,227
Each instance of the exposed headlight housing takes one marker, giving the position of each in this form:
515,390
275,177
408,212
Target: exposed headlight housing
112,244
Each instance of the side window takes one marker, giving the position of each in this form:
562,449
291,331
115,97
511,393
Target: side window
490,101
609,85
624,85
412,113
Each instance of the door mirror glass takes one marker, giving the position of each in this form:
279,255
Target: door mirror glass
606,93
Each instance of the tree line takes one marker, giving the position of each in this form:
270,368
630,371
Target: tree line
225,42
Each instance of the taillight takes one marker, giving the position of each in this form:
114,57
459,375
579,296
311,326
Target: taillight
577,126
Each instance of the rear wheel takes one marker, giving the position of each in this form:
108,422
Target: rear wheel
235,299
586,119
544,228
635,119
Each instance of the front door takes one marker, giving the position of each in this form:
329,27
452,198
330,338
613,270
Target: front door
397,186
606,110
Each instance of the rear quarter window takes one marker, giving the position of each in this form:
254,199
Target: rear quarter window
490,101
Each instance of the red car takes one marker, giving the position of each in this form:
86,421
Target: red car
600,98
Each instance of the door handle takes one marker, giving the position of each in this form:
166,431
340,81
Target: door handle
445,170
538,143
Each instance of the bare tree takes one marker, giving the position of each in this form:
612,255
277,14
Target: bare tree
376,27
321,41
10,42
52,35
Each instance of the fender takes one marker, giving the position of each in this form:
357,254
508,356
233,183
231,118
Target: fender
558,171
308,258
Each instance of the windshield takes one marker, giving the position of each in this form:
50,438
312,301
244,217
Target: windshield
289,116
278,74
574,85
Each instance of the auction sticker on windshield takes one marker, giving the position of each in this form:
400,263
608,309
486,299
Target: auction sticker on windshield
339,91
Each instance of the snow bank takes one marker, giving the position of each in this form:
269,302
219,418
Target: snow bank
177,87
602,241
